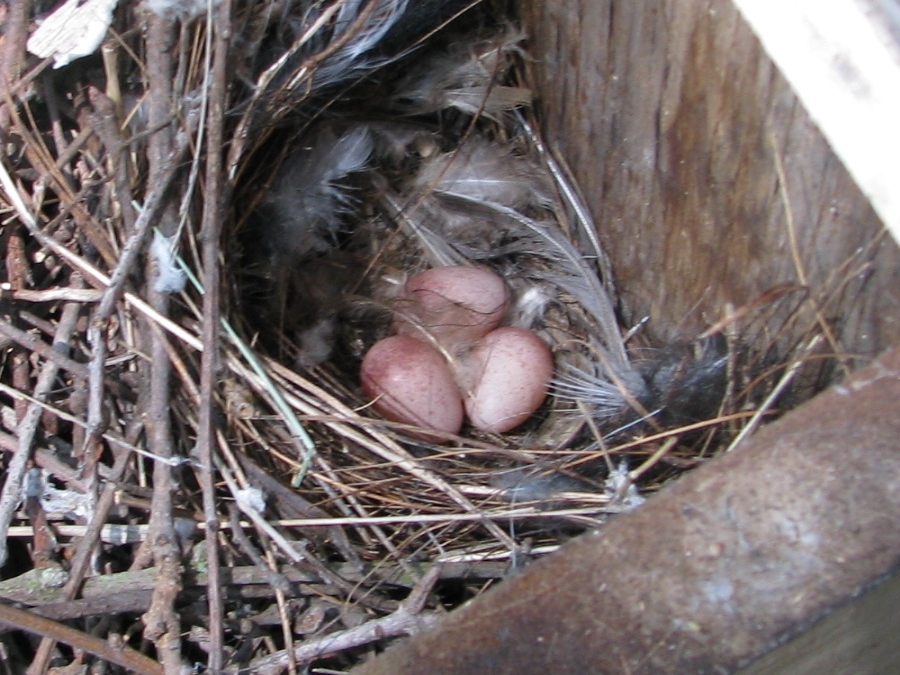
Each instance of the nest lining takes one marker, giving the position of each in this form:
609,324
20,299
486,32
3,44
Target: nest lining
359,507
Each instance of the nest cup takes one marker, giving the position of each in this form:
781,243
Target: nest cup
360,200
444,166
347,191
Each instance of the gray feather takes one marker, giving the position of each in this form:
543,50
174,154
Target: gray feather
468,78
358,54
308,201
487,172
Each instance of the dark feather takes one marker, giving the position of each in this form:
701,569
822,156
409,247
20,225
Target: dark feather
308,202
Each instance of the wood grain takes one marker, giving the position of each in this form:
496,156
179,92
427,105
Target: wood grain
673,120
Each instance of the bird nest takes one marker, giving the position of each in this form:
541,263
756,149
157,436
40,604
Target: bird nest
206,226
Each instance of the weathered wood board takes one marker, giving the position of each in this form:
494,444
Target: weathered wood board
859,638
674,121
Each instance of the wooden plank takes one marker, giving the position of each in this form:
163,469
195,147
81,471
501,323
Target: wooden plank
844,64
675,121
859,638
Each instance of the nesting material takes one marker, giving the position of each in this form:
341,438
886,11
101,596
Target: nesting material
201,253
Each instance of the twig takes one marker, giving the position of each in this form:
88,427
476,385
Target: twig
46,459
276,581
25,432
256,582
17,270
15,471
281,587
14,38
114,440
408,619
127,658
57,294
90,272
42,161
34,344
83,554
296,553
210,235
161,621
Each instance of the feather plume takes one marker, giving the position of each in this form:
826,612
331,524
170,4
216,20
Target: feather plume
305,208
300,270
468,78
477,186
488,172
335,46
565,269
413,218
363,24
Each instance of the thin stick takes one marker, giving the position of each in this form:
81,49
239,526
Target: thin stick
34,344
90,271
15,36
407,620
798,261
653,459
57,294
15,470
121,534
162,622
83,555
26,432
775,393
132,661
113,440
210,235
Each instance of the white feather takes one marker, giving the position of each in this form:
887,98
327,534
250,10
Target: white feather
486,171
412,217
357,54
170,277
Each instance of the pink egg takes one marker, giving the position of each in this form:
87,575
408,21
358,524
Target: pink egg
454,305
505,377
410,382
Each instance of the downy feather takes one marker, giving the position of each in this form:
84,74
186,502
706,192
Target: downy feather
358,54
468,78
487,172
305,207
